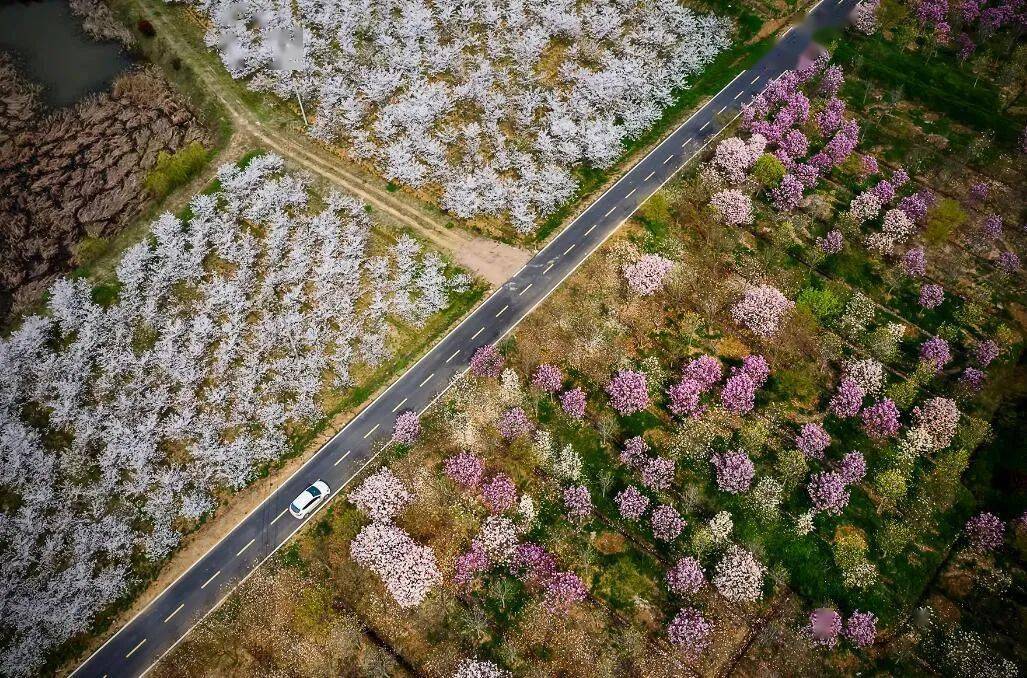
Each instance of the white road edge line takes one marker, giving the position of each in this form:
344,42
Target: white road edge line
375,427
248,544
400,404
168,618
204,585
133,650
366,407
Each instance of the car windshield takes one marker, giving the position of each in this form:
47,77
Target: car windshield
314,492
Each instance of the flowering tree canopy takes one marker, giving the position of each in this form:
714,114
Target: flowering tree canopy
739,576
628,391
408,569
487,361
381,495
646,275
407,428
762,309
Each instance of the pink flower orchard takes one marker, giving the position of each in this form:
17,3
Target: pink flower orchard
572,402
646,276
690,632
563,590
881,420
380,496
686,577
408,569
499,494
847,400
825,625
514,423
985,532
931,295
487,362
631,503
628,391
762,309
578,502
465,469
547,378
735,471
407,428
861,629
812,441
667,523
733,206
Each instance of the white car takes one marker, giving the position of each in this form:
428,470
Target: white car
309,500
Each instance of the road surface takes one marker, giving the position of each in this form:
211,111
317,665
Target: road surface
159,626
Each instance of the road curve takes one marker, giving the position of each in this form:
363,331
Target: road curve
157,628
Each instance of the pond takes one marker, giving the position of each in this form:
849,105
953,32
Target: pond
52,50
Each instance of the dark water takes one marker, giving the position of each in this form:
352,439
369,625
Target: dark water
53,51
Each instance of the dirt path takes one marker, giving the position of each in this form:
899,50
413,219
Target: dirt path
493,261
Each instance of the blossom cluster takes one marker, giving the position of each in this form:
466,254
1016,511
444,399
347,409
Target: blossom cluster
628,391
408,569
646,276
380,496
761,310
738,575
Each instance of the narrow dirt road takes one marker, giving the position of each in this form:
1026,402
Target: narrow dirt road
494,261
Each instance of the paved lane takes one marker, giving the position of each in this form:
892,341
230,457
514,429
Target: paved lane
158,627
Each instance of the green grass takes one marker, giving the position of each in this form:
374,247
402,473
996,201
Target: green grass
176,169
939,82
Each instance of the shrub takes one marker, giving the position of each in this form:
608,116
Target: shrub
176,169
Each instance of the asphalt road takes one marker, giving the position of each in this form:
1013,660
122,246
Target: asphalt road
159,626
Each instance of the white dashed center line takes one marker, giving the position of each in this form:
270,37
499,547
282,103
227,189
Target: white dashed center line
547,268
427,379
525,289
452,356
704,125
168,618
248,544
754,80
133,650
650,176
724,108
630,194
568,250
480,330
740,94
212,577
399,405
503,310
279,516
591,228
340,459
375,427
668,159
608,213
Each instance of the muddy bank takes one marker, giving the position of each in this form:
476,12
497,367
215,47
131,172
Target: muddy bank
78,171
